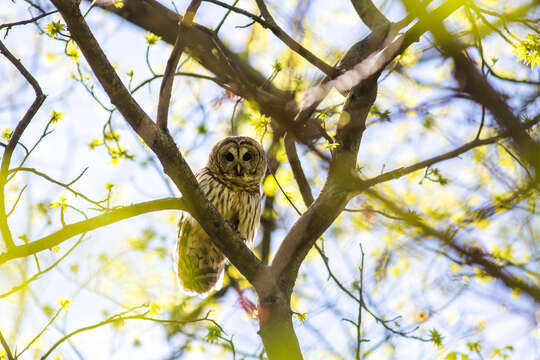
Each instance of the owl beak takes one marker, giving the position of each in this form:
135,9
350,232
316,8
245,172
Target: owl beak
238,169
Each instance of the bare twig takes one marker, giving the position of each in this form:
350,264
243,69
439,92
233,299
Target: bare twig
172,63
6,347
66,186
24,22
397,173
216,30
42,331
17,133
41,272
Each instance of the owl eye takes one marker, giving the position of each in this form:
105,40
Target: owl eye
246,156
229,156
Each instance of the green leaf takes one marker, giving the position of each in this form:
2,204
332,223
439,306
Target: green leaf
213,335
436,337
54,27
528,50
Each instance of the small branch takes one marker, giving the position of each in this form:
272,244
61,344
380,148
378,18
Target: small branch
6,347
42,331
24,22
298,172
66,186
172,63
122,317
40,272
473,82
397,173
17,133
84,226
293,44
216,30
240,11
16,201
470,255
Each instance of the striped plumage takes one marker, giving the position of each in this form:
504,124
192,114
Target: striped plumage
231,181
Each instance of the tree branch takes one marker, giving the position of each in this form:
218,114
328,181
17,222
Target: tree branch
370,15
84,226
298,172
397,173
336,191
6,347
470,255
226,239
172,63
17,133
474,83
293,44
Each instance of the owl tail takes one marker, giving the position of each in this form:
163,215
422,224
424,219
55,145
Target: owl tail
201,281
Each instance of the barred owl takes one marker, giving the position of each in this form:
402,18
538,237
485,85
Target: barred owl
231,180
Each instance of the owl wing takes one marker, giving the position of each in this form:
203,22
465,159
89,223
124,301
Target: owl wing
199,263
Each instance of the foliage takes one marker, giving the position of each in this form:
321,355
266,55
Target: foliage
424,245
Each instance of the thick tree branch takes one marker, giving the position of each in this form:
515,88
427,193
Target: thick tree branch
14,140
232,70
162,144
370,56
336,191
368,12
172,63
84,226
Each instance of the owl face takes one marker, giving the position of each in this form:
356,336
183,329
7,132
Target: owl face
239,160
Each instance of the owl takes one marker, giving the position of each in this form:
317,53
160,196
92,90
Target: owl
231,181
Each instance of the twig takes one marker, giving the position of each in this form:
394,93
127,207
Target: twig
397,173
120,317
16,201
361,297
6,347
17,133
23,22
225,18
66,186
172,63
41,272
42,331
293,44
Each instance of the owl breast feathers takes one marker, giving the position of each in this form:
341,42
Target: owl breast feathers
231,182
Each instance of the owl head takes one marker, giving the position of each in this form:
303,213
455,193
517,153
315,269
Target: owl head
238,160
